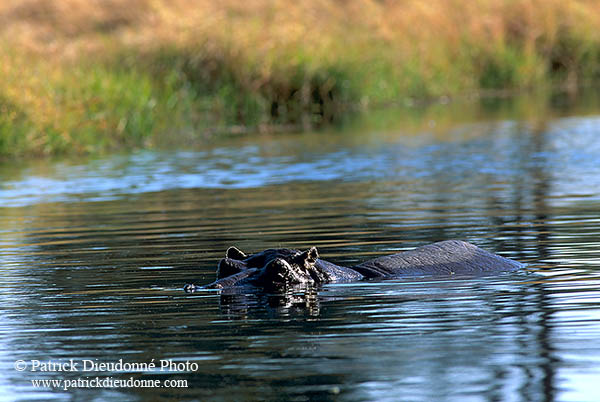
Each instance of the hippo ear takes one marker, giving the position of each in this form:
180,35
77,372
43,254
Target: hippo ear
228,267
235,253
310,255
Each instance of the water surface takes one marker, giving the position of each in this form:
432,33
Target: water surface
94,255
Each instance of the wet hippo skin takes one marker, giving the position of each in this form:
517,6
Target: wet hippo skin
277,268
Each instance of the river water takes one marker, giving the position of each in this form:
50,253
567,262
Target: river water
94,255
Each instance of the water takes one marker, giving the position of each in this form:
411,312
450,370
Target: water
94,255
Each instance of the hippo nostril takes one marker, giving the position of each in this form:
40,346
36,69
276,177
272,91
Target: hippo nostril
189,288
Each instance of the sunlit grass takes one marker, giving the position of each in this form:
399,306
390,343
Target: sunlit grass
88,77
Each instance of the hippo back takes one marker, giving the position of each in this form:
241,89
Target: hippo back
443,258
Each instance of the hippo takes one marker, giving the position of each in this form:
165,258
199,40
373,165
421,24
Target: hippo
277,269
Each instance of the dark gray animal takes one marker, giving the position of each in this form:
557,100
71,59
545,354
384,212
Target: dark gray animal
278,268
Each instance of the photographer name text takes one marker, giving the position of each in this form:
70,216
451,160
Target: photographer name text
94,365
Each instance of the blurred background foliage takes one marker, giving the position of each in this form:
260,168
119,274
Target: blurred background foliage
91,76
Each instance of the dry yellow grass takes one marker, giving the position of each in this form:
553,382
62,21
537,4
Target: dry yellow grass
409,26
259,60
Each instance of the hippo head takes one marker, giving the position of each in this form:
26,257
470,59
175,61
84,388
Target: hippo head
272,268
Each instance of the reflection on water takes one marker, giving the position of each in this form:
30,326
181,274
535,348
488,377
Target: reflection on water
567,150
94,256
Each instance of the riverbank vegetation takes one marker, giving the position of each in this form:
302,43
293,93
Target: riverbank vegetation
82,76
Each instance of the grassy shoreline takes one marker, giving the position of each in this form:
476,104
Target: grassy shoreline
80,77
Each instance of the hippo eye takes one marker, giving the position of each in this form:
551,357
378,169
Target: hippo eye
279,266
281,272
278,263
235,253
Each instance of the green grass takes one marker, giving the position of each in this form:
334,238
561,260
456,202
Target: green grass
168,91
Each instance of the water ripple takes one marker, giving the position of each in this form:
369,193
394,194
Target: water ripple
568,151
